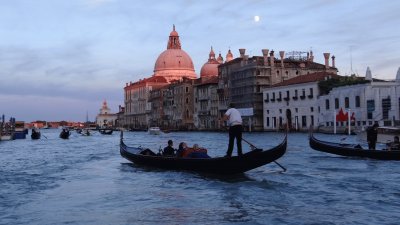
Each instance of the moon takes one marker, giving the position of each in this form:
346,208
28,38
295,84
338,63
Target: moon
256,19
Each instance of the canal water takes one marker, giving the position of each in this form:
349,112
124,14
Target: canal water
84,180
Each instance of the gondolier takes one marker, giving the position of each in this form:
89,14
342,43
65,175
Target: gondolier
234,119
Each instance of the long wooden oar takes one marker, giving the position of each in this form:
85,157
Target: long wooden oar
253,146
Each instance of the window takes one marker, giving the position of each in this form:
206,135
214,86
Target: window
187,100
336,103
312,109
346,103
187,89
386,106
327,104
358,102
304,121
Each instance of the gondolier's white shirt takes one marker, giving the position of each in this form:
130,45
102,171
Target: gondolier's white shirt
234,117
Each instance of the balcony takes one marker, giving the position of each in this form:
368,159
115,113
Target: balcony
310,96
295,97
302,97
266,100
279,99
273,100
287,99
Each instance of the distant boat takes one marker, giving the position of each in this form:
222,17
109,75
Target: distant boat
385,134
6,137
35,134
85,132
106,131
19,130
154,130
46,126
65,133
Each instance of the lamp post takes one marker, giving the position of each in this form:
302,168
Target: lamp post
334,121
349,121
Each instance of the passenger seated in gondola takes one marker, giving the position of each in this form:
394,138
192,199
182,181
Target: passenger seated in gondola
395,145
181,149
147,152
169,150
195,152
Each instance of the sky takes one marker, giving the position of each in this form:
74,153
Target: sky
60,59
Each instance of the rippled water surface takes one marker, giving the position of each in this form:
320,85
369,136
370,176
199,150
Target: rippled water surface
84,180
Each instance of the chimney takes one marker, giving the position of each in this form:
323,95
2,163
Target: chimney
282,55
242,51
326,56
333,61
368,74
265,55
272,58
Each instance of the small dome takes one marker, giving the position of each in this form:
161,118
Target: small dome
209,69
229,56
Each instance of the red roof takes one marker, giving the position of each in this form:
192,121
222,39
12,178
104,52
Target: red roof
312,77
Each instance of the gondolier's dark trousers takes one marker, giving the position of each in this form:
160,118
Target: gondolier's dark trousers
235,132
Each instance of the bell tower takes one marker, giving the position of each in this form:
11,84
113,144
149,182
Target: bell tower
173,42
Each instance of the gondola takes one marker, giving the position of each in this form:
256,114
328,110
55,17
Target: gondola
219,165
65,134
35,134
106,131
353,150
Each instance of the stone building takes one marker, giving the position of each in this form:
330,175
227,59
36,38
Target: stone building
294,102
173,64
205,94
206,104
367,103
242,80
137,108
105,118
178,105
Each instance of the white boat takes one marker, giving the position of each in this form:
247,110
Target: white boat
154,130
85,132
385,134
6,137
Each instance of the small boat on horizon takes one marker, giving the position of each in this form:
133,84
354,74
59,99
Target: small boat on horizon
65,133
35,134
106,131
154,130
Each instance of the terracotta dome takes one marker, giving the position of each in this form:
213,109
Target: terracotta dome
210,68
174,63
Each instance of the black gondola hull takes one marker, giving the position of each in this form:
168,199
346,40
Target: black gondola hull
219,165
351,150
64,135
35,135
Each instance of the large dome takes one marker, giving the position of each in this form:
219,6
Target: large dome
174,63
172,59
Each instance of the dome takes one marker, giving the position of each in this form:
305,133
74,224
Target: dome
210,68
174,63
173,59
